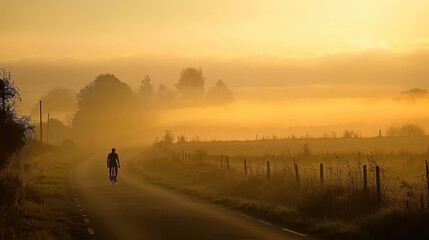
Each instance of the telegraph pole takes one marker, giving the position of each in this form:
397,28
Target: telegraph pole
3,94
41,128
47,130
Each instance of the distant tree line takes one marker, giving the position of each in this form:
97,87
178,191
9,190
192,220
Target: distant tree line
107,106
190,86
405,130
415,93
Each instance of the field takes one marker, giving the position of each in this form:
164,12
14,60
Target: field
417,144
280,180
35,196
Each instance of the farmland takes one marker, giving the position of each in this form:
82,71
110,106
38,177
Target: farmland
280,180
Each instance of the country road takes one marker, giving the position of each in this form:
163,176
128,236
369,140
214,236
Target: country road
135,209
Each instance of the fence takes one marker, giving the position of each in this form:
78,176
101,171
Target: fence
369,178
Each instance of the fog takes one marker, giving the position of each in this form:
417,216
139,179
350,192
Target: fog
270,97
379,71
316,117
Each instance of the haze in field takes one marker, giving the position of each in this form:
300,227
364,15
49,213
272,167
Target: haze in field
294,67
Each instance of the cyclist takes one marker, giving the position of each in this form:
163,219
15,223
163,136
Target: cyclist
113,164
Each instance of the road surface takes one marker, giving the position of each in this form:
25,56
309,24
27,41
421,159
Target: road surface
135,209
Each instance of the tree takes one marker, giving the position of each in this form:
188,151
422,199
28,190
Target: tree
106,111
9,94
405,130
191,83
393,131
168,137
58,99
15,130
412,130
58,131
146,89
351,134
220,93
415,93
162,91
181,138
163,94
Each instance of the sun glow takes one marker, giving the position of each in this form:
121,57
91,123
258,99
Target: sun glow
105,29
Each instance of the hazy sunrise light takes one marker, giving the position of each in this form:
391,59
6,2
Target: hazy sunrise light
214,120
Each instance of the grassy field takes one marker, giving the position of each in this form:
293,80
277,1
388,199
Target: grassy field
35,200
417,144
339,207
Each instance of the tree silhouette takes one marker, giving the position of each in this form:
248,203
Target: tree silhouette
146,89
351,134
163,94
415,93
220,93
15,130
106,110
162,91
405,130
57,99
58,131
191,83
168,137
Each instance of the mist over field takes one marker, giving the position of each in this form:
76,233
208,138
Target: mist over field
365,91
197,119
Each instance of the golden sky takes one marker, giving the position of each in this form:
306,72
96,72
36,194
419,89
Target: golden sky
91,29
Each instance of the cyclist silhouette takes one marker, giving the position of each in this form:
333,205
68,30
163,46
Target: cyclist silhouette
113,164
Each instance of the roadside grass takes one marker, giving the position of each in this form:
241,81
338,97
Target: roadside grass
338,209
37,202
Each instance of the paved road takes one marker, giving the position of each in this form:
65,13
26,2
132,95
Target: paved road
135,209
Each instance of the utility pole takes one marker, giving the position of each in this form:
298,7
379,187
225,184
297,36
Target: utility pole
41,128
3,93
47,130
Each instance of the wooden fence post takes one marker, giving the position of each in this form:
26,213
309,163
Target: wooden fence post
321,173
245,167
221,160
296,173
338,173
427,173
183,157
227,162
268,170
365,179
377,179
427,177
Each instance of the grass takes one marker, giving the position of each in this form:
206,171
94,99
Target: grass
337,209
35,202
317,145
